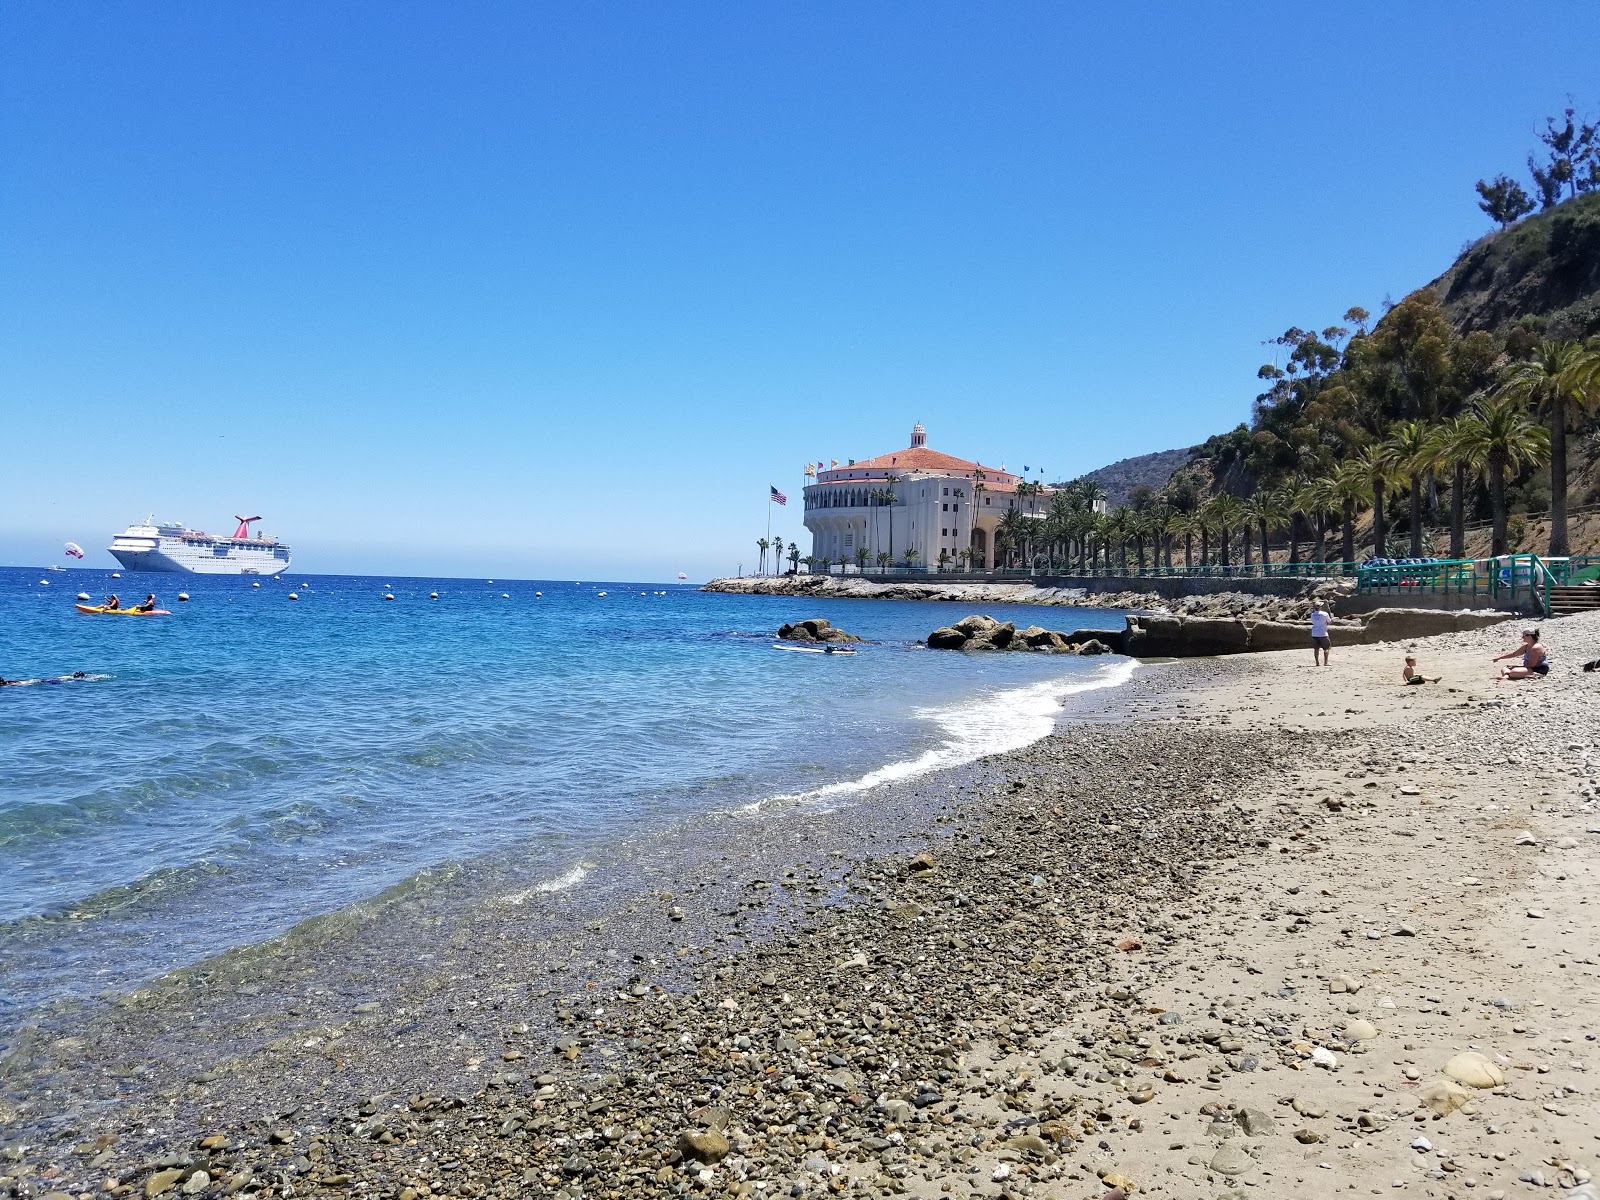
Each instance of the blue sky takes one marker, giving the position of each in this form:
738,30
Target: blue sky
557,290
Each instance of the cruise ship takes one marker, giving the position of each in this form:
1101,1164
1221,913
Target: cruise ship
170,546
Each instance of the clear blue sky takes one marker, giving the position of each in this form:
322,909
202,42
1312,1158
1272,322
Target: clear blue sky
558,289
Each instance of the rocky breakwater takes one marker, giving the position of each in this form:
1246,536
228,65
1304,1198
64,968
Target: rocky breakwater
814,629
980,633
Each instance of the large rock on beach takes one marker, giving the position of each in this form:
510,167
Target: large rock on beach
814,629
979,633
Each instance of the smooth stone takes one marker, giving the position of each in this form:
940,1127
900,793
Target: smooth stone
1360,1030
1231,1160
1474,1070
1256,1123
1443,1097
162,1181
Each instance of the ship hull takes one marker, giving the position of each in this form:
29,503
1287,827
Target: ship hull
233,563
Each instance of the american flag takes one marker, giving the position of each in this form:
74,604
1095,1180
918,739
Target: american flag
778,497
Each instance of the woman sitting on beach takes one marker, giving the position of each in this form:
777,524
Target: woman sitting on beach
1535,658
1410,674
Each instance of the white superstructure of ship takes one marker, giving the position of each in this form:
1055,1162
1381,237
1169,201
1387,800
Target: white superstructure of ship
174,547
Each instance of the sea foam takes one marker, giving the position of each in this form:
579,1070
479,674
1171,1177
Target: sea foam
993,723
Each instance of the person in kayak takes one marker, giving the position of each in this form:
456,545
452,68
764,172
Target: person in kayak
149,604
112,602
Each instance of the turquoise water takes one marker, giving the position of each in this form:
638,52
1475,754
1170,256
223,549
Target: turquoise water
252,760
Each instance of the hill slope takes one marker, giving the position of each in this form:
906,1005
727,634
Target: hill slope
1144,470
1545,267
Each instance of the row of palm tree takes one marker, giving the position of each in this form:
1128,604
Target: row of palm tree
1491,442
778,554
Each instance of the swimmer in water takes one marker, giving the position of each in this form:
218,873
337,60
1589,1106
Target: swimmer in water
52,679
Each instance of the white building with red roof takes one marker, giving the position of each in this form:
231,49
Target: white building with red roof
914,505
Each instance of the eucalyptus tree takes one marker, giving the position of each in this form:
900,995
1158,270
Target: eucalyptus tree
1406,450
1500,432
1559,377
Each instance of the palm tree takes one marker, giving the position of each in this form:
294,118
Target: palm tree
1014,529
1284,501
762,544
1560,374
1263,509
862,554
1159,517
1351,488
884,558
1201,518
1227,514
794,558
911,557
1406,450
944,557
1319,500
1453,447
1501,434
1380,475
1183,525
825,562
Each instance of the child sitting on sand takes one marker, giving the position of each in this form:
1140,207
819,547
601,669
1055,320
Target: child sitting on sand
1410,674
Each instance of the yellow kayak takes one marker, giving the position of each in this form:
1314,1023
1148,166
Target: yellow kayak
101,609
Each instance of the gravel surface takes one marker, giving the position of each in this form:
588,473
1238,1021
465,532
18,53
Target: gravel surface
1283,931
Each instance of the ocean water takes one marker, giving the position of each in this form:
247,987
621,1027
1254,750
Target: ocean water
252,761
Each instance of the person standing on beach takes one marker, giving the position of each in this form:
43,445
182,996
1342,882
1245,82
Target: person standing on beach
1321,643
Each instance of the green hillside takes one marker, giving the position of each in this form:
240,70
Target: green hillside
1544,270
1474,399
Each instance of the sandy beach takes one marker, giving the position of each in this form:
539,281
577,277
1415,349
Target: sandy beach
1282,931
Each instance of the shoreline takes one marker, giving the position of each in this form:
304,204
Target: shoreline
1217,603
983,997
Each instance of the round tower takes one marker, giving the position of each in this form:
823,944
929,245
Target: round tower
919,435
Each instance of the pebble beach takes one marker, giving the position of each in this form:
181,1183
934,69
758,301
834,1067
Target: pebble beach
1243,928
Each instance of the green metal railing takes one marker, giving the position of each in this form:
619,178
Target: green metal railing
1519,581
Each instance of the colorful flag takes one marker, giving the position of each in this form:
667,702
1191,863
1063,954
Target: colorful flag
836,462
778,497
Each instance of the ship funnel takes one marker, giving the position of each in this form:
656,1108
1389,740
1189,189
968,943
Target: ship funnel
244,525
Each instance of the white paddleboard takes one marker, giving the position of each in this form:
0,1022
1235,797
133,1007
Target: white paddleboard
810,650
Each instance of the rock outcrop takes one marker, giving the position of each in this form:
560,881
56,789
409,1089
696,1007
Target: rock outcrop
814,629
980,633
1164,635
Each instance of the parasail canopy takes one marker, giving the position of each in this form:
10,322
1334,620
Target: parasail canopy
74,550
